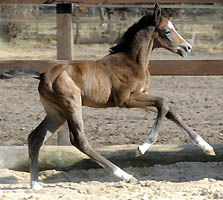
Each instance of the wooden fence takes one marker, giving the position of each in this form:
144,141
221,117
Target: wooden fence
157,67
109,2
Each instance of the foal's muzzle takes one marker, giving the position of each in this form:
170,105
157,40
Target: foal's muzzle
184,49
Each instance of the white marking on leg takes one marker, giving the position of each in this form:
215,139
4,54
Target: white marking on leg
122,174
143,148
35,185
148,142
199,141
207,148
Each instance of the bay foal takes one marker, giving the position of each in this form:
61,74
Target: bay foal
120,79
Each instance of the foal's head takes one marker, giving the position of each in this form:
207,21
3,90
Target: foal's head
152,26
166,36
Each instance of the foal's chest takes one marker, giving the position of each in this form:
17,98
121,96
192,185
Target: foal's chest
143,81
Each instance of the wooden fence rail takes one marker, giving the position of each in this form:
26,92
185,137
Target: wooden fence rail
157,67
108,1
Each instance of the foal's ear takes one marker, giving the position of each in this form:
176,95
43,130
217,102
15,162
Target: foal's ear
157,14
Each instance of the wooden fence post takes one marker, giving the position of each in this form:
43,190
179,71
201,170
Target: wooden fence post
64,32
64,52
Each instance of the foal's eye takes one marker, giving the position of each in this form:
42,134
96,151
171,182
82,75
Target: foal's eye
167,32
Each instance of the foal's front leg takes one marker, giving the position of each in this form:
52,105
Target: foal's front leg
142,100
196,138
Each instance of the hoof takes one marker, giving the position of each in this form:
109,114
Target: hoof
207,148
138,152
123,175
142,149
210,152
131,179
35,186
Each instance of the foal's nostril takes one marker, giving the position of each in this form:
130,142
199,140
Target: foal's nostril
189,47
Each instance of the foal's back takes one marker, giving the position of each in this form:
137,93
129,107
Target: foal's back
99,82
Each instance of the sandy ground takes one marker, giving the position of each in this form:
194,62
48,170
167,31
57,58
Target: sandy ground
197,99
197,181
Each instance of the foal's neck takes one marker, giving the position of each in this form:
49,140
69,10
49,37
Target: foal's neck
142,49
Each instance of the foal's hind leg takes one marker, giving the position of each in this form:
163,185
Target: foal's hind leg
71,102
208,149
79,140
35,141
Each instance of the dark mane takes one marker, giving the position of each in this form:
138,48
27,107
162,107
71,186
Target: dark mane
126,40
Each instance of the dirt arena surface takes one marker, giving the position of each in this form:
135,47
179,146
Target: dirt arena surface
197,181
197,99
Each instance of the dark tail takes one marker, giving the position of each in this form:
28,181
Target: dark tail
39,77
